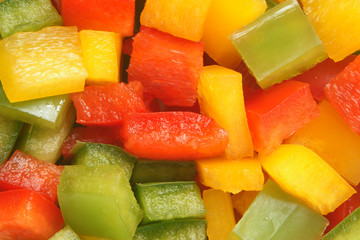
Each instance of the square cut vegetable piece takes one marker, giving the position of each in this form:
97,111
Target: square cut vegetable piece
169,67
317,184
221,98
276,215
101,56
331,138
279,111
223,18
26,15
279,44
337,23
181,18
41,64
98,201
105,15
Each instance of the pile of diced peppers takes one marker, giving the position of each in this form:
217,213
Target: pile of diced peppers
158,119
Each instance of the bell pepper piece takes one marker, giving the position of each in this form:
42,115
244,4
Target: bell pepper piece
279,44
88,134
173,230
320,75
223,18
27,15
331,138
276,215
343,92
231,176
278,112
96,154
173,136
31,67
46,112
317,184
98,201
101,58
9,132
106,105
43,143
169,201
108,15
182,18
146,171
24,171
221,98
337,25
349,228
220,217
28,215
169,67
65,234
242,200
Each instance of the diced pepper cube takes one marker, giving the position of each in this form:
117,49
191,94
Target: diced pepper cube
27,215
231,175
331,138
24,171
173,136
337,24
26,15
221,98
343,92
223,18
242,200
101,56
278,112
317,184
65,234
181,18
41,64
9,132
276,215
169,67
169,201
107,15
279,44
220,217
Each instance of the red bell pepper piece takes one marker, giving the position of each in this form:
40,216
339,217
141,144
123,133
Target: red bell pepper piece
105,15
321,74
343,92
24,171
89,134
277,112
169,67
173,136
106,105
28,215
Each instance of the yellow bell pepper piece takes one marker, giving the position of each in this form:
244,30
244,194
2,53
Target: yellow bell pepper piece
331,138
101,56
302,173
181,18
41,64
221,98
219,214
242,200
231,176
223,18
337,23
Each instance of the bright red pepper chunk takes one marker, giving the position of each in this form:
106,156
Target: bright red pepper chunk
28,215
169,67
173,136
106,105
277,112
105,15
343,92
24,171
